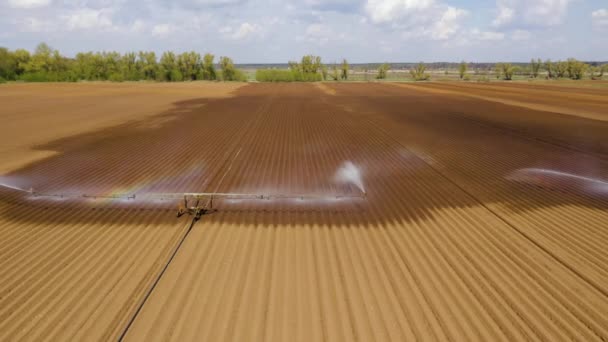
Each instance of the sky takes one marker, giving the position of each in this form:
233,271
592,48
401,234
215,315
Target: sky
273,31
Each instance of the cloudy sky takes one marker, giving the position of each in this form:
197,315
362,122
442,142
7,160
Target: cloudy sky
268,31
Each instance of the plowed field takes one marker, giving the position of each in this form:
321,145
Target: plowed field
486,218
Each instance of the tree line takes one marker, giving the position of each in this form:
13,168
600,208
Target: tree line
308,69
311,69
46,64
570,68
49,65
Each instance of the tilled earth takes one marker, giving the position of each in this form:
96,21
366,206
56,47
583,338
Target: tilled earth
482,220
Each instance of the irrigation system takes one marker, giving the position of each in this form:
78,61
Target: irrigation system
196,203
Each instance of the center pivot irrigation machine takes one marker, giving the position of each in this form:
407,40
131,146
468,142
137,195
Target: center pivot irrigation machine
198,204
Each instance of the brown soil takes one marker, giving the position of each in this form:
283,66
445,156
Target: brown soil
585,102
33,114
452,243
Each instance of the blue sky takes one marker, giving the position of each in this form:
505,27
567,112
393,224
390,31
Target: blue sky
267,31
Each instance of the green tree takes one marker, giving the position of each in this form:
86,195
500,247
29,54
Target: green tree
59,68
324,72
535,66
99,66
147,65
8,64
498,70
294,66
506,70
48,64
576,69
334,73
345,67
168,68
595,72
561,68
128,66
111,66
176,75
229,72
419,73
310,64
22,57
383,71
40,60
309,69
190,65
550,68
462,69
82,66
209,68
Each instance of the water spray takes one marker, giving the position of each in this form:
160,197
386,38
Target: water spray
349,173
200,203
592,183
14,188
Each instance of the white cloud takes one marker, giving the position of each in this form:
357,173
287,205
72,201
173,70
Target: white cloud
206,3
319,30
86,19
505,15
33,25
448,24
225,30
332,5
600,18
521,35
318,33
423,19
321,34
161,30
138,26
361,30
323,3
245,30
383,11
530,13
487,35
474,37
27,4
